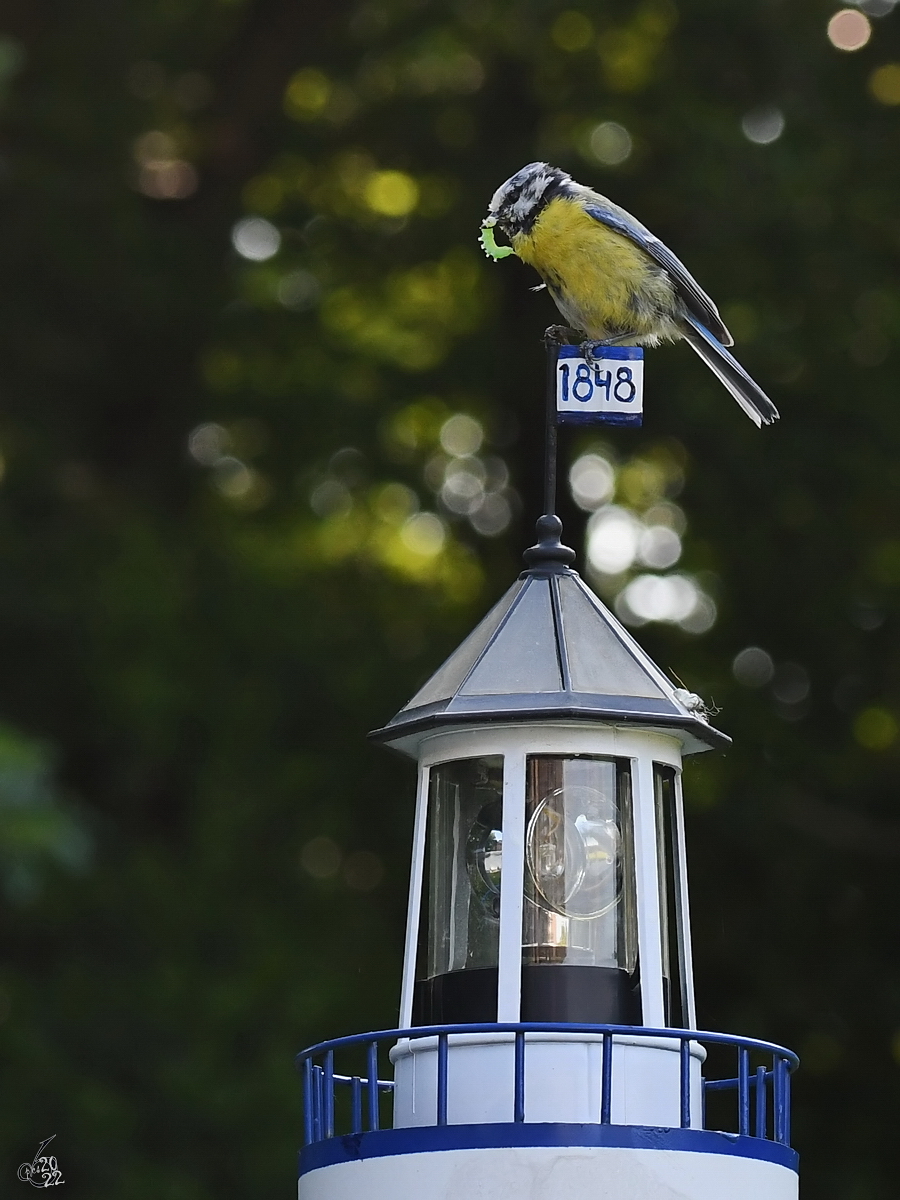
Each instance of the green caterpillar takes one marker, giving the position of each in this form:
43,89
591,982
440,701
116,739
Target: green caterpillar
489,246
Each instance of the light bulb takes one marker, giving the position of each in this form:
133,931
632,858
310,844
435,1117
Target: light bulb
572,853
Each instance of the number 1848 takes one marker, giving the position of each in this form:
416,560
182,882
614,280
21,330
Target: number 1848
606,389
585,380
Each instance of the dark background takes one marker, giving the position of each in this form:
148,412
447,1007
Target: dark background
203,861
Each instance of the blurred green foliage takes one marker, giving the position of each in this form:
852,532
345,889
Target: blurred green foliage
241,299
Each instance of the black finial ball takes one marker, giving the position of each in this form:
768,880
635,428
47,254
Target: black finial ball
548,528
549,549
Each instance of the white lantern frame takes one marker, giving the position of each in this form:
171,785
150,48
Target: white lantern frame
515,742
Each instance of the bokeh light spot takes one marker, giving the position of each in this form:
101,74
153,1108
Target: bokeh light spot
298,290
208,443
592,480
461,435
875,728
612,541
255,238
849,29
154,144
659,547
884,83
753,667
492,516
321,858
463,488
763,125
643,481
702,616
232,477
394,502
610,143
424,534
307,94
391,193
162,174
671,598
175,180
330,499
572,31
791,683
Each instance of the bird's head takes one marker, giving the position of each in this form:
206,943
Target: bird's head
517,203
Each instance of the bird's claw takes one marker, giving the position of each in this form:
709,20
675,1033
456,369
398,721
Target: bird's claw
560,335
589,348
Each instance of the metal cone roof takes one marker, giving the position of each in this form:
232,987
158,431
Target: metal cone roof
548,650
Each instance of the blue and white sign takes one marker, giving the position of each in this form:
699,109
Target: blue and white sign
609,390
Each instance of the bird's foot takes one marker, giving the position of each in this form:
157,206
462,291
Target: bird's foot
590,347
560,335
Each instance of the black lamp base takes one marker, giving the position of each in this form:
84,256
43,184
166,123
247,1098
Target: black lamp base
550,992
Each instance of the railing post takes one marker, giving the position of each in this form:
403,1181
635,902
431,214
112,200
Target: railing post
606,1080
685,1083
781,1099
329,1094
308,1102
442,1066
356,1104
372,1083
760,1102
743,1091
519,1078
320,1102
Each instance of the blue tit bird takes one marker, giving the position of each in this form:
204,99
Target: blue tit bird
610,277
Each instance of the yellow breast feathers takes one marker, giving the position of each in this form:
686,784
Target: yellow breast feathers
600,279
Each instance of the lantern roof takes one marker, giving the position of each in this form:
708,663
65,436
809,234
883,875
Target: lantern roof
549,649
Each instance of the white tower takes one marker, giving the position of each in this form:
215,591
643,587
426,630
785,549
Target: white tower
547,1047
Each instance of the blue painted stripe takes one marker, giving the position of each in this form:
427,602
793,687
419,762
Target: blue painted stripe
624,353
598,418
388,1143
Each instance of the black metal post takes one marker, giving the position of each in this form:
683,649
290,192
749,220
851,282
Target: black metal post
552,341
550,553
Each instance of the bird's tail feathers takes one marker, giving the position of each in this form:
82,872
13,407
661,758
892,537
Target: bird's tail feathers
749,395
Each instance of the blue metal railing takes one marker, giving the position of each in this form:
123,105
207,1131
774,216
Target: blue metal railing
759,1091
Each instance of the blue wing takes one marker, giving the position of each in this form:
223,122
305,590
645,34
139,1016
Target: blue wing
689,290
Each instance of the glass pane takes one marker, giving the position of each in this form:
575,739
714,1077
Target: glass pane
579,864
465,850
603,663
524,656
670,908
445,682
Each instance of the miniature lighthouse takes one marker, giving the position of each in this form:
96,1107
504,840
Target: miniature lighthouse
547,1046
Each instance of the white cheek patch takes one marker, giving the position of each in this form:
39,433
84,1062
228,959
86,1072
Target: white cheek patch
497,198
531,183
531,195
